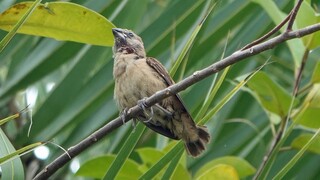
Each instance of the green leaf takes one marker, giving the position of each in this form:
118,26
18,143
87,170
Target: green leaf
97,167
297,157
77,92
124,152
316,73
272,156
4,120
160,161
211,94
15,26
242,167
151,156
80,102
310,116
270,94
300,141
174,171
306,17
62,21
190,40
14,168
20,151
221,171
228,96
170,146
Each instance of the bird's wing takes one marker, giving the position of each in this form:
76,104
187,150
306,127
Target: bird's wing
158,67
161,130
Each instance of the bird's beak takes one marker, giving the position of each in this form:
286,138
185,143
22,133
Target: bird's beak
118,34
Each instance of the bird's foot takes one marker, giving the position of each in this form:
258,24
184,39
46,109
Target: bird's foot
142,105
123,115
150,116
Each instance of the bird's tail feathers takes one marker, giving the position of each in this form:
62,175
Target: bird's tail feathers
196,147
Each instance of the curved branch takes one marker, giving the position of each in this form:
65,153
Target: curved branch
160,95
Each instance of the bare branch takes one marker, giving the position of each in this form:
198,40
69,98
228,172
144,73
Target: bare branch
293,15
290,17
270,33
160,95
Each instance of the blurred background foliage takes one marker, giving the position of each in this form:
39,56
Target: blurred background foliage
69,89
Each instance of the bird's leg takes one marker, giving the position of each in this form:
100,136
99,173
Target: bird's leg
142,105
168,113
150,117
123,115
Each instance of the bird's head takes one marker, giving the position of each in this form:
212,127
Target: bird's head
126,41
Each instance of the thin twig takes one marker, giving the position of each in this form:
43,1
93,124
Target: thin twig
293,16
299,73
290,17
274,143
174,89
270,33
266,157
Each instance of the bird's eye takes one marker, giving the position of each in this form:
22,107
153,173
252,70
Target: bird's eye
130,34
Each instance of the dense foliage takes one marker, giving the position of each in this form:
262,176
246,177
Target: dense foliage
68,87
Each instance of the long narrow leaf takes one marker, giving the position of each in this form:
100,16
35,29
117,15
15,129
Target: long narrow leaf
2,121
173,166
124,152
227,97
211,95
296,158
19,152
190,41
155,169
268,164
12,169
213,89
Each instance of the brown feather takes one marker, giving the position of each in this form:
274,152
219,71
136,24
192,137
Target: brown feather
136,77
158,67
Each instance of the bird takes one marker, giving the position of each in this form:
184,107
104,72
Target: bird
138,77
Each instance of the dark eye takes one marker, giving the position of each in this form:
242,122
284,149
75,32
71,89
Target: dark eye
130,34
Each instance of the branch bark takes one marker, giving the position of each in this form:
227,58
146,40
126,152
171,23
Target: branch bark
160,95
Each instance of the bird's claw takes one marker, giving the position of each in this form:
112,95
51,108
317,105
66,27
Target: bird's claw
150,116
123,115
142,104
123,118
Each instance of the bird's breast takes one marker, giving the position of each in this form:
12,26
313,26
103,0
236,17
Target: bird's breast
134,80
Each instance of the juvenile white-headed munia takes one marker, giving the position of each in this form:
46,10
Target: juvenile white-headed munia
138,76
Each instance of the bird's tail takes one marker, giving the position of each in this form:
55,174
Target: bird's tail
195,147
